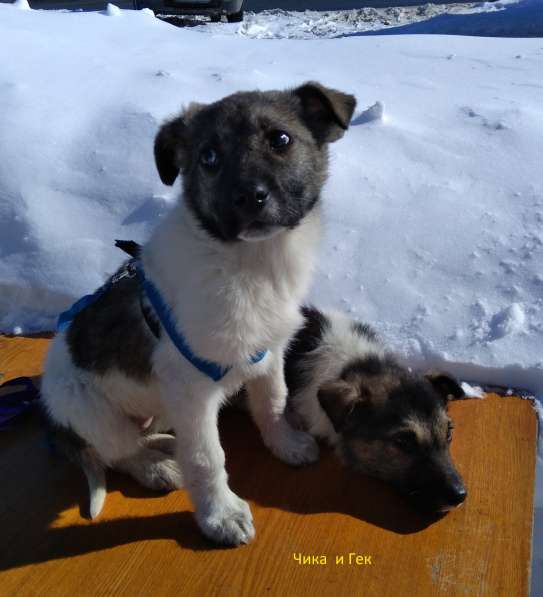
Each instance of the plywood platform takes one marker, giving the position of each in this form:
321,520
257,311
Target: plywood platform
148,544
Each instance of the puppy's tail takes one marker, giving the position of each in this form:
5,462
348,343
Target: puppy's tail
63,440
96,478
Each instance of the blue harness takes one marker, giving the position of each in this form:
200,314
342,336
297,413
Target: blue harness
133,268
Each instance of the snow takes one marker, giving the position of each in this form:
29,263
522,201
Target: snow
112,10
433,210
21,4
375,112
309,24
472,391
504,18
509,321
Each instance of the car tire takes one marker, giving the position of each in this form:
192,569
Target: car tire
235,17
215,18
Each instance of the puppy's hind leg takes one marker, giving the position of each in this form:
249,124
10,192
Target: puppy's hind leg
154,465
267,397
163,442
84,425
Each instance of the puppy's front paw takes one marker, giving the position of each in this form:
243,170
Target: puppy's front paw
228,521
292,446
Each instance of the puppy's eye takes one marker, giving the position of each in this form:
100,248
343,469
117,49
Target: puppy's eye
279,140
449,432
406,441
209,158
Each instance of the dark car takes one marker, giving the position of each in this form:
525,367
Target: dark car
232,9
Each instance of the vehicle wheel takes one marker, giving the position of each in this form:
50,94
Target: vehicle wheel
216,18
235,17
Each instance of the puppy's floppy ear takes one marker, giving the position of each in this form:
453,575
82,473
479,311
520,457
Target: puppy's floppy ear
172,144
445,385
338,399
327,112
169,143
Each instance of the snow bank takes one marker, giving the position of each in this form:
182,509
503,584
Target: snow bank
503,18
280,23
508,18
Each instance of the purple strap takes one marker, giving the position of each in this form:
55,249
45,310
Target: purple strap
17,397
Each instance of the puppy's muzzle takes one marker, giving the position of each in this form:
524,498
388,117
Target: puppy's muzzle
454,495
251,201
255,214
439,498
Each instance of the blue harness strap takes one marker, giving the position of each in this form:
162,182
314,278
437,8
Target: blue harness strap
258,356
66,317
212,370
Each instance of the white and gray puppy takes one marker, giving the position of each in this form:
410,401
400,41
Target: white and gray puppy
385,420
232,263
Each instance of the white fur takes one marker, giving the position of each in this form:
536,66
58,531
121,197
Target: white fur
96,479
339,346
229,301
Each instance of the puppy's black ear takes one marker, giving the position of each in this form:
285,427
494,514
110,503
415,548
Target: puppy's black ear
172,144
338,399
327,112
445,385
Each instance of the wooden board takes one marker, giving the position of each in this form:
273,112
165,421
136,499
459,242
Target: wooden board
148,544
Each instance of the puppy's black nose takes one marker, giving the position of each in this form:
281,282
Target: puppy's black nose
455,494
252,199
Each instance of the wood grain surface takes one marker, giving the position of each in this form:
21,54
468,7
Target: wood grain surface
148,544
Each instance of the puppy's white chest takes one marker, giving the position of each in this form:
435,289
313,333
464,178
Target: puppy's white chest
232,301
